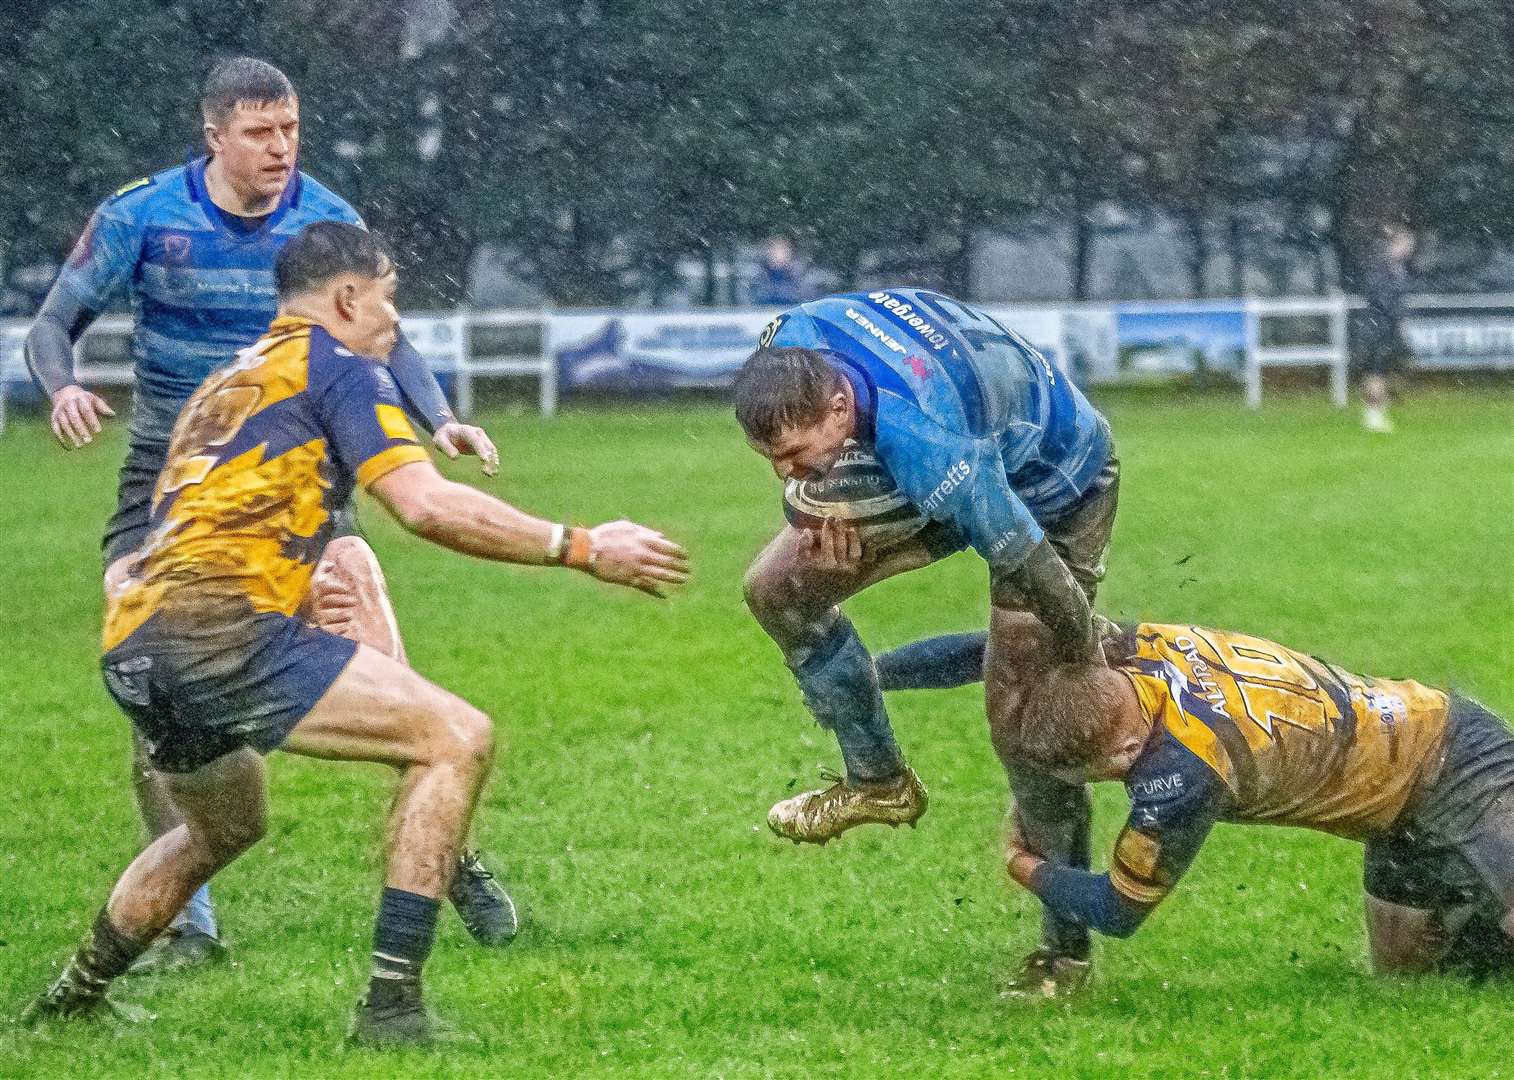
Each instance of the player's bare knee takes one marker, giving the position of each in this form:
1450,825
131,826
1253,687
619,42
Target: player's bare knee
236,836
476,741
757,588
457,734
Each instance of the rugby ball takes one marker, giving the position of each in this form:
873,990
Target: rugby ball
858,490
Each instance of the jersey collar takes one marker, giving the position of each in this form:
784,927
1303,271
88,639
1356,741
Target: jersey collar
194,178
864,394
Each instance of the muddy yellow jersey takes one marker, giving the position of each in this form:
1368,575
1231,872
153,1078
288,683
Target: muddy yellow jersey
261,455
1246,730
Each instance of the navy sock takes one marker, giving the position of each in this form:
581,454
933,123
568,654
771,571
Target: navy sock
937,663
401,942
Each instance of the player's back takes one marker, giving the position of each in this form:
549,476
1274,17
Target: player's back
200,279
256,466
961,369
1295,740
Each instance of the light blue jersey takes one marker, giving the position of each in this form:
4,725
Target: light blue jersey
975,426
200,280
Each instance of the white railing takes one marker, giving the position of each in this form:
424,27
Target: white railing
1090,339
1333,352
445,339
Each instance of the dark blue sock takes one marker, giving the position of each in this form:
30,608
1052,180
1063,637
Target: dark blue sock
401,941
937,663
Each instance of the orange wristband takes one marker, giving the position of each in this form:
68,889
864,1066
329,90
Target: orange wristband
579,553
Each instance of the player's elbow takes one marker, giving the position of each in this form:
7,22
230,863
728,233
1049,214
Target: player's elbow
420,516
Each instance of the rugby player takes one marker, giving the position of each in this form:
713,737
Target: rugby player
205,652
1205,726
990,447
194,248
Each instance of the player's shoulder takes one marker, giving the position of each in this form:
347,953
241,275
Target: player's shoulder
334,367
1171,776
142,197
317,202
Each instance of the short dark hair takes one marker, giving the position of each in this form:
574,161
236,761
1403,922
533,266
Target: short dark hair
1067,716
783,388
242,79
323,250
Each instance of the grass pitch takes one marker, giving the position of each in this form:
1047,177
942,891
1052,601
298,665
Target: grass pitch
669,934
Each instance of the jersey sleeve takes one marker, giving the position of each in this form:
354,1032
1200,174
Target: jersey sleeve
1175,800
369,433
1174,804
104,258
958,480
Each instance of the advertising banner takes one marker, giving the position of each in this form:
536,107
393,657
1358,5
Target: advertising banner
1179,339
1446,339
441,339
627,350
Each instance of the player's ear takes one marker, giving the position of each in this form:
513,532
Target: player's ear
212,137
840,404
344,298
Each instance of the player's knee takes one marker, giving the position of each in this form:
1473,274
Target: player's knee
228,837
757,588
478,739
466,738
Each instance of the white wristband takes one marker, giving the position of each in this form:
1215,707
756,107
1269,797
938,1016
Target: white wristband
555,544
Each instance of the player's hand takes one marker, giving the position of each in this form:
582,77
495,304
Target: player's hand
626,553
334,603
1019,860
835,546
76,416
454,438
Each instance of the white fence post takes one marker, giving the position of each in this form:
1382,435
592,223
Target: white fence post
1253,355
1340,336
549,388
462,325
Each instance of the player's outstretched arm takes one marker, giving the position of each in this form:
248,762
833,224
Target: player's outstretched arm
49,349
448,434
1044,580
467,520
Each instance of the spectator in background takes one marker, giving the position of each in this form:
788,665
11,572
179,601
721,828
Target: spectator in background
1381,349
782,280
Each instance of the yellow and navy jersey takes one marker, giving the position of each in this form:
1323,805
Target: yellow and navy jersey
261,455
1245,730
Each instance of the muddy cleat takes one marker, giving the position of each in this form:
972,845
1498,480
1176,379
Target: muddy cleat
483,905
818,816
1045,975
65,999
401,1021
179,949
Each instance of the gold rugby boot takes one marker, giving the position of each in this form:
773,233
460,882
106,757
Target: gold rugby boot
818,816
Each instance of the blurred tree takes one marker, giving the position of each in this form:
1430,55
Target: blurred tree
604,142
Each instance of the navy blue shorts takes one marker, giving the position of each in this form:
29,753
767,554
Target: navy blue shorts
198,688
131,522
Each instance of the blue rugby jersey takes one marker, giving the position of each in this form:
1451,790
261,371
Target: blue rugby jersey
975,426
201,284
